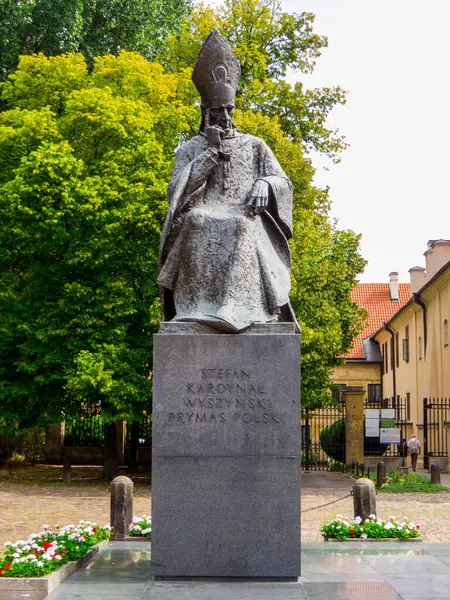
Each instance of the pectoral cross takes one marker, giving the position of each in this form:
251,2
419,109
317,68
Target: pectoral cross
226,179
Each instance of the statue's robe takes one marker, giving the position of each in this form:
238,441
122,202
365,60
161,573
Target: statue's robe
221,264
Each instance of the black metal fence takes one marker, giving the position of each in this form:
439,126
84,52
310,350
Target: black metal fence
400,409
436,419
323,439
86,428
140,431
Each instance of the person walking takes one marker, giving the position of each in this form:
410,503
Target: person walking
413,450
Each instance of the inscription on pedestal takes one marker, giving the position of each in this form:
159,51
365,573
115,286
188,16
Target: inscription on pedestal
225,406
240,398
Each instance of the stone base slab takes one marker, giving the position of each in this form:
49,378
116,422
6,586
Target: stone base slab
226,517
37,588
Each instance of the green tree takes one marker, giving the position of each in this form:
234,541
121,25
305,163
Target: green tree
85,161
268,43
93,27
325,265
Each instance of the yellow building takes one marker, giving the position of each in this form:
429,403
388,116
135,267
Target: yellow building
415,354
362,365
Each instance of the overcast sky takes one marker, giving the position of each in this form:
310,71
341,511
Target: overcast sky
393,57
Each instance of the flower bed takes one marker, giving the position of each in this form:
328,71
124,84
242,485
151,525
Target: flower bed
371,528
397,481
141,527
44,552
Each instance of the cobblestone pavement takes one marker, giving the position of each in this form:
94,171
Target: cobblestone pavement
25,508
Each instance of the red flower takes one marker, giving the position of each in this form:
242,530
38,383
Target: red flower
352,531
94,530
1,571
85,536
36,552
8,566
47,545
417,526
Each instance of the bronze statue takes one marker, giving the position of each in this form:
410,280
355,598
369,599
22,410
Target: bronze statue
225,259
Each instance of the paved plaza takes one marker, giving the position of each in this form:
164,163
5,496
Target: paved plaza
25,508
330,571
357,571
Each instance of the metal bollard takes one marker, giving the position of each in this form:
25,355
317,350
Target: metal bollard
435,473
381,473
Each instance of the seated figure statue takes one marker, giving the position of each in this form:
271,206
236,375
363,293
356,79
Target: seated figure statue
225,259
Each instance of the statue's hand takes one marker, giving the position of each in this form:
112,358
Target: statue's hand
214,136
258,198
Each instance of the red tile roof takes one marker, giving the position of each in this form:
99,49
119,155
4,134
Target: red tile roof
375,299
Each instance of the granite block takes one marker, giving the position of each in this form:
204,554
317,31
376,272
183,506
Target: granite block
226,395
226,517
226,448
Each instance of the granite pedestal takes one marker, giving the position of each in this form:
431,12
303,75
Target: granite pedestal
226,448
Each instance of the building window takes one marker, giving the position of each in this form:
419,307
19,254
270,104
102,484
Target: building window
406,345
397,349
446,332
374,393
385,358
420,348
338,393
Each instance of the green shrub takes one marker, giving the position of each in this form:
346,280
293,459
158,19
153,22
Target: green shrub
332,440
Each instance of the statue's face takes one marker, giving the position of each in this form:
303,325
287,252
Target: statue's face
221,115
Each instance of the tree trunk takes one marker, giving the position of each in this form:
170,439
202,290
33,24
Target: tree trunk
133,461
110,452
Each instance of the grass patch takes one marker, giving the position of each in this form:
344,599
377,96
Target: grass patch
399,482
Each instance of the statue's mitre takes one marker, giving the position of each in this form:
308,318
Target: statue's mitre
216,71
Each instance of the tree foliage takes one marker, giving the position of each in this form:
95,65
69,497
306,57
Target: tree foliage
92,27
85,161
269,44
85,157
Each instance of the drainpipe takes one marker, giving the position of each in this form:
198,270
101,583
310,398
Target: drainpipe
394,382
418,300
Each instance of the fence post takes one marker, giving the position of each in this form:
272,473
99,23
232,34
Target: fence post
426,460
54,443
354,424
307,442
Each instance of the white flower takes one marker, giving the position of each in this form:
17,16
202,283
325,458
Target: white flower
364,536
8,544
16,555
39,564
57,557
372,516
145,531
44,526
136,519
357,520
389,526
